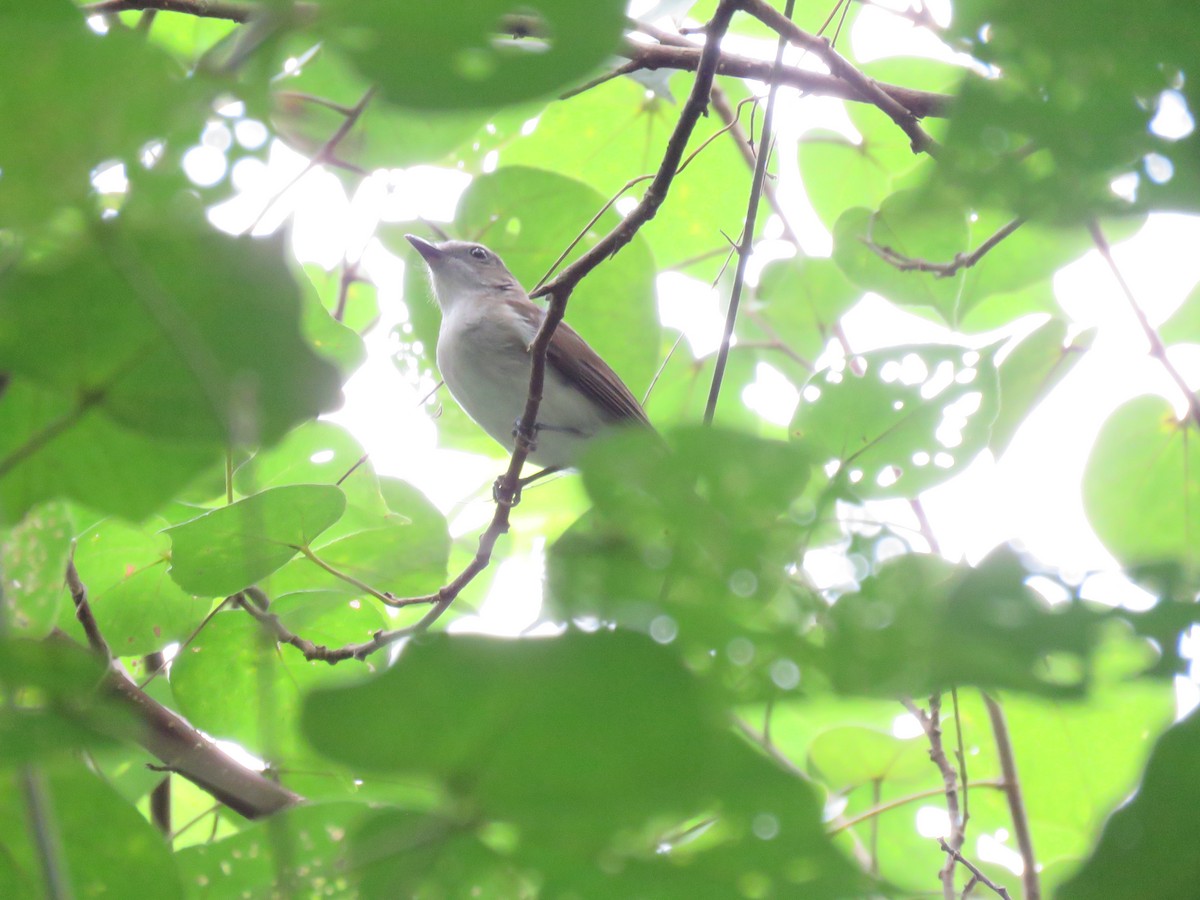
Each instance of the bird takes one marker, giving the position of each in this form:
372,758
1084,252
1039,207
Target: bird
488,323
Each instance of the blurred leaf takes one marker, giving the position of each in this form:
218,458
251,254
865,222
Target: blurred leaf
125,856
53,707
921,624
1075,107
227,549
916,416
177,332
419,62
33,560
61,65
597,765
1145,459
690,544
1151,841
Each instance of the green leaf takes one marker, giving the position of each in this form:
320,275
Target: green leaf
1152,839
106,847
1030,373
137,606
228,549
615,132
171,330
421,63
921,624
234,683
301,847
802,300
1184,324
1145,459
852,755
33,560
597,762
917,415
384,136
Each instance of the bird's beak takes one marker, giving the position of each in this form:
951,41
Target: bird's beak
428,251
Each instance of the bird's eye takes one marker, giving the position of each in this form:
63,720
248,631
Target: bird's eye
479,253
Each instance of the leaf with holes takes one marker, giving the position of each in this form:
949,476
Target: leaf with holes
917,415
230,548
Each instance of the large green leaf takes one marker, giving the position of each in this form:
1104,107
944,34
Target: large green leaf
227,549
921,624
421,63
137,606
1141,489
621,746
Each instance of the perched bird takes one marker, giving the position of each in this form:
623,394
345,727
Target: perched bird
488,323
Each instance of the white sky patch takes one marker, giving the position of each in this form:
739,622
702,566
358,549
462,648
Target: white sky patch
772,395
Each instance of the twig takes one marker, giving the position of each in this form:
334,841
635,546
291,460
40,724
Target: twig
840,67
1157,348
976,875
748,226
83,609
942,270
1016,804
890,805
201,9
931,725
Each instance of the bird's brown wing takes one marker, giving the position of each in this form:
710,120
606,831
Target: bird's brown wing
574,360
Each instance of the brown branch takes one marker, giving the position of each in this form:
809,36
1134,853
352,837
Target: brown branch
1016,804
83,609
942,270
976,875
1158,349
931,725
920,104
866,88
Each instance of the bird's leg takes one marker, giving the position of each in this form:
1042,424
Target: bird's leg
521,485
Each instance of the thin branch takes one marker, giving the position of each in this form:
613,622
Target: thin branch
748,227
201,9
942,270
976,875
890,805
932,726
83,609
1157,348
1016,804
867,88
381,596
